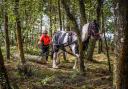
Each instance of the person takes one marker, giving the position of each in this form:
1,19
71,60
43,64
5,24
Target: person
44,42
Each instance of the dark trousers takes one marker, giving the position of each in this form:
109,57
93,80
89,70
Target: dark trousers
45,51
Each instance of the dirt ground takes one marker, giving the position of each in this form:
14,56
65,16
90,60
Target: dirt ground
44,77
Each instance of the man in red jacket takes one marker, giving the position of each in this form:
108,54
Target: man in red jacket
44,43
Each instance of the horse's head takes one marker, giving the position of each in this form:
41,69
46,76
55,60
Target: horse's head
93,29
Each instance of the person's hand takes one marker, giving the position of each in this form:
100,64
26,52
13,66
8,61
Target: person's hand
39,43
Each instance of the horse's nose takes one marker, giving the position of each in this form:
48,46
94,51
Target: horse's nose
98,37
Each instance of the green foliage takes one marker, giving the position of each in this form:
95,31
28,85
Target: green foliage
31,12
109,19
32,51
47,79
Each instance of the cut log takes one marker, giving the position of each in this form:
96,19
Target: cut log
33,58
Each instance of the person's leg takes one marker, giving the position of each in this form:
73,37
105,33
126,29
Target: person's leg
43,53
47,53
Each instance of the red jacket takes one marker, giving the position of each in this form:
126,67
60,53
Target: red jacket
45,39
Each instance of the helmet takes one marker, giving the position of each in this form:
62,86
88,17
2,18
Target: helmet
44,30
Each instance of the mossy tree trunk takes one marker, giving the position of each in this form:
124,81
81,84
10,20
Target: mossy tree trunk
7,43
83,18
99,17
121,45
18,32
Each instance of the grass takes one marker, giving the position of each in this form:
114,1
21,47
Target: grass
44,77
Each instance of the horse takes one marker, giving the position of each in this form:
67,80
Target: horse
60,38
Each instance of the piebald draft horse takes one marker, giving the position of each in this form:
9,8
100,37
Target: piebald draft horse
89,31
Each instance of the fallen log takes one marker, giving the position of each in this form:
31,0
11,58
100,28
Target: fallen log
33,58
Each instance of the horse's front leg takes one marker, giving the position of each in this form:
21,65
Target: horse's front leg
75,52
76,61
54,65
58,59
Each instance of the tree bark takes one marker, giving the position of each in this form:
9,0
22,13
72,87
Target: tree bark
121,41
90,50
82,12
92,42
60,22
50,17
99,13
77,30
106,44
18,31
3,74
7,43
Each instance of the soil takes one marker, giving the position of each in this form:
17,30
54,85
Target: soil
42,76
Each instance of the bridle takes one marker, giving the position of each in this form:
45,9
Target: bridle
92,32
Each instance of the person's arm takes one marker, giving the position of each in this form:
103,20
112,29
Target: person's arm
40,42
50,40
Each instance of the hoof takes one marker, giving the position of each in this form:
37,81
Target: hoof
44,62
74,67
55,67
58,63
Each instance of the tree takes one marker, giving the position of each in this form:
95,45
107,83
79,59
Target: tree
18,31
50,16
3,74
105,40
82,12
77,30
121,44
60,22
7,43
99,13
92,42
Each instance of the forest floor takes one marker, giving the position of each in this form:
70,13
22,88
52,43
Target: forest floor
44,77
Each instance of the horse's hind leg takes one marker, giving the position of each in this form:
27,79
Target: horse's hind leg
54,65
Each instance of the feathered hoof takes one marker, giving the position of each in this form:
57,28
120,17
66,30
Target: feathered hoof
55,67
74,67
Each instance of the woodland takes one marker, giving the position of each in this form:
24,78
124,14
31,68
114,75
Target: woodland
103,65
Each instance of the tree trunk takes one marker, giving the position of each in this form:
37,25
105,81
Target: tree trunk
3,74
117,47
92,42
82,12
77,30
41,23
121,42
50,17
60,22
90,50
63,21
106,43
100,46
18,31
99,12
7,43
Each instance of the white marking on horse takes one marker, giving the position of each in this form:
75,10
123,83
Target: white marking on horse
85,35
85,32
